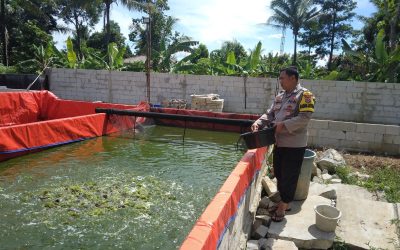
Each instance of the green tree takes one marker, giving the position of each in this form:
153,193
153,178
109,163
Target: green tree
311,36
364,53
27,22
3,32
81,14
292,14
272,64
147,6
164,41
200,52
96,40
235,47
44,57
336,23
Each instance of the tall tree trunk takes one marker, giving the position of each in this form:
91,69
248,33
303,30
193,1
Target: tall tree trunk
295,49
107,14
78,35
393,27
3,31
332,40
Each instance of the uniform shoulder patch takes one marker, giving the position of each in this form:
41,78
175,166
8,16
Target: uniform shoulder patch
307,102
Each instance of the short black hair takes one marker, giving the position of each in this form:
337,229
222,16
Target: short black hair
291,71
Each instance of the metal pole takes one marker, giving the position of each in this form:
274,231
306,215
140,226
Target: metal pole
148,62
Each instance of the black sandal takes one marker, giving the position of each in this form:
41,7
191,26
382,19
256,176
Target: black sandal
273,209
277,218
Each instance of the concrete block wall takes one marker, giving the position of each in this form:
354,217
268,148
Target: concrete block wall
344,104
353,136
362,102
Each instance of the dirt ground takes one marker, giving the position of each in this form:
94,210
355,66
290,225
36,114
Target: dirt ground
364,161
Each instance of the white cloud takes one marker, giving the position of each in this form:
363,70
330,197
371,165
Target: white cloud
275,36
216,21
212,22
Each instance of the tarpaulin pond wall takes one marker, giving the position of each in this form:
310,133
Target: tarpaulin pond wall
31,121
34,120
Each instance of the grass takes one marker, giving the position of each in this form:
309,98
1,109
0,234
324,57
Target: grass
382,179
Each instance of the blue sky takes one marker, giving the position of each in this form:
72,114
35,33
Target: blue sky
212,22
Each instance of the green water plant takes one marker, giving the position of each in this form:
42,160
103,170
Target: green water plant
98,199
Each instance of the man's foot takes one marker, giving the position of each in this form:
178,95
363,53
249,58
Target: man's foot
273,209
278,217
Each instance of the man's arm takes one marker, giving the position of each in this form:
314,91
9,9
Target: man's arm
306,109
298,122
264,120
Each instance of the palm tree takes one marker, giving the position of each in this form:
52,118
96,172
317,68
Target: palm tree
292,14
130,4
140,5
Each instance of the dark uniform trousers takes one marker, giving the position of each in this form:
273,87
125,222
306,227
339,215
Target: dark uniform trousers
287,166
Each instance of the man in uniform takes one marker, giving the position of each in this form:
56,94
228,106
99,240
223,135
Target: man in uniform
290,113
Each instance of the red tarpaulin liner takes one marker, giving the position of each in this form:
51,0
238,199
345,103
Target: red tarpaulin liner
30,121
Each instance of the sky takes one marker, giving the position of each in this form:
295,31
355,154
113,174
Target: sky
212,22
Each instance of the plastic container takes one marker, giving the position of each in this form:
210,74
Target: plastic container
326,217
303,182
260,138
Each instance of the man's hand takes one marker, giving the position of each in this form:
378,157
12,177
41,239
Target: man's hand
280,126
254,127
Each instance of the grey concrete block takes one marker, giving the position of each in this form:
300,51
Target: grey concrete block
392,130
252,245
319,124
264,219
261,232
343,126
264,202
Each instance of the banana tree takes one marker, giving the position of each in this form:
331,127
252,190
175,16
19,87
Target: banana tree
387,65
166,56
383,66
43,58
251,66
115,57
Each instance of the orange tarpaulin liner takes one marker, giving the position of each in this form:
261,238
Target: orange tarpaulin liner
38,119
210,228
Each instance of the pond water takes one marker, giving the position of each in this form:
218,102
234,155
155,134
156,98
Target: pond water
114,192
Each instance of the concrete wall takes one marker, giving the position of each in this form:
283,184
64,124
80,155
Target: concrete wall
363,102
350,102
353,136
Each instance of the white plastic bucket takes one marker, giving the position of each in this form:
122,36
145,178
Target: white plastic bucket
326,217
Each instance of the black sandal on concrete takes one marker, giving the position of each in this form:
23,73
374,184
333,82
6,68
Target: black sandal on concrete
273,209
277,218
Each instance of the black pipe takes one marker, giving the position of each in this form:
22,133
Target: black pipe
192,118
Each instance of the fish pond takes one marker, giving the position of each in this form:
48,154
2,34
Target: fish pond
114,192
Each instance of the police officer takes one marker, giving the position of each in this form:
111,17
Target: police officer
290,113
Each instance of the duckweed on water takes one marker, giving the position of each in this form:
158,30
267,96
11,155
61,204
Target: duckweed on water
97,199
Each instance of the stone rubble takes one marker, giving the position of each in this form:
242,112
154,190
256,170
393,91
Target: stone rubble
366,223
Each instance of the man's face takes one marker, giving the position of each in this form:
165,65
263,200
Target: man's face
288,83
